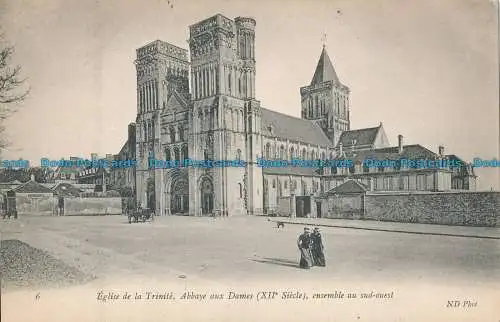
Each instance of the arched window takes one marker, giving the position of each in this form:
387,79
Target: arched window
274,183
282,152
167,155
323,155
304,154
238,154
229,82
292,155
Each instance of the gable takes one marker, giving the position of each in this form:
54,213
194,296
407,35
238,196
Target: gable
381,140
32,187
350,186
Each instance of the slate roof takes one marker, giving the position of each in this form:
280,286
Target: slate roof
293,128
324,70
32,187
414,151
66,189
361,136
350,186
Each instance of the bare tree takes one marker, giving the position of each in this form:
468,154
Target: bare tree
12,90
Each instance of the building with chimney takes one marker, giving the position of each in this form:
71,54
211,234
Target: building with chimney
202,105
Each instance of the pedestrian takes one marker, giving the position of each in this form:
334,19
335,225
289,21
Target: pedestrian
317,248
304,243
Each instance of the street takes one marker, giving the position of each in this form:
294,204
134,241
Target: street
246,253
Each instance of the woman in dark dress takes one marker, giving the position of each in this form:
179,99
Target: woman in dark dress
317,248
304,243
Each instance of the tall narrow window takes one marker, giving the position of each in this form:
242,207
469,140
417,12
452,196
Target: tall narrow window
181,133
172,134
229,83
185,152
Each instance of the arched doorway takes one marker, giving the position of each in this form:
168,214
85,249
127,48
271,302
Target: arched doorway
207,196
150,192
180,197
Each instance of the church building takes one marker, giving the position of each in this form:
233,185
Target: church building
203,106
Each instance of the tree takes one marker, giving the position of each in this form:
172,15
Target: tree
12,90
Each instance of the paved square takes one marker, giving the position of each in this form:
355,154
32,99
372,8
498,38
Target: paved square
245,255
251,248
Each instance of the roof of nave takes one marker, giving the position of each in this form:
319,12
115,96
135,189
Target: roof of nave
360,137
414,151
291,171
324,70
293,128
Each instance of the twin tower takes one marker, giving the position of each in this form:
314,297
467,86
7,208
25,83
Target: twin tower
200,108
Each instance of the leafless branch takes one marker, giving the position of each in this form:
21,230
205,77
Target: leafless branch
12,89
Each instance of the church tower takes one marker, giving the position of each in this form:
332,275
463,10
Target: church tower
326,99
162,69
225,117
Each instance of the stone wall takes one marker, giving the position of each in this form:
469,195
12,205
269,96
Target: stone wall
92,206
446,208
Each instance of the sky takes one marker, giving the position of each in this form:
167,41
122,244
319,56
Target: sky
426,69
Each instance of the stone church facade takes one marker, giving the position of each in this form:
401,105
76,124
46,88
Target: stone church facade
204,107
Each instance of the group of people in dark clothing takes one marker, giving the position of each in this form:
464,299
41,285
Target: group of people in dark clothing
311,249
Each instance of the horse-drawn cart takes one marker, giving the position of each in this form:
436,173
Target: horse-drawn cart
140,215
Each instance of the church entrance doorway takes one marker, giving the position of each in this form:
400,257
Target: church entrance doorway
150,192
180,197
207,197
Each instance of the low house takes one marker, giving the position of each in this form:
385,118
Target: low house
345,201
31,198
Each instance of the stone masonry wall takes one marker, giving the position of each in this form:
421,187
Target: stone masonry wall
92,206
454,208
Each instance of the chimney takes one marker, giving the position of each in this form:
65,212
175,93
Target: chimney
400,144
441,151
340,149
